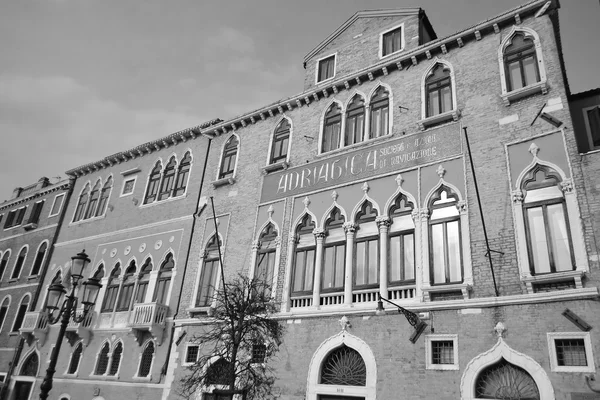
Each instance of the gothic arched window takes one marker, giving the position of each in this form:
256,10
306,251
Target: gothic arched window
344,366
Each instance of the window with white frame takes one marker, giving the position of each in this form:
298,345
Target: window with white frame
127,286
15,217
380,113
4,262
304,258
39,259
115,359
183,173
93,200
112,289
229,158
104,196
391,41
57,204
571,352
366,248
355,121
16,272
81,203
209,273
163,280
280,142
102,360
153,182
36,211
265,257
23,306
591,116
401,242
334,253
74,359
438,91
4,310
441,352
167,180
445,238
93,203
520,62
326,68
192,351
143,281
332,127
128,186
146,360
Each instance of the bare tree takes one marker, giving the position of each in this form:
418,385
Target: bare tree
236,343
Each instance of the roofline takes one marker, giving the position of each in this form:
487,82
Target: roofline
61,185
352,19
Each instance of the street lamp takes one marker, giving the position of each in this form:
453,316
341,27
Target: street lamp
410,316
68,310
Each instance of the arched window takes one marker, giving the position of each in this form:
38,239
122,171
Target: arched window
183,171
355,121
19,264
94,195
102,360
164,280
520,62
332,127
105,194
304,257
281,139
81,203
75,358
401,242
146,360
438,90
218,372
3,311
115,361
127,287
39,258
546,223
168,179
344,366
444,238
210,272
366,248
30,365
265,256
380,113
21,313
4,262
229,158
504,380
334,253
153,181
99,274
110,296
140,296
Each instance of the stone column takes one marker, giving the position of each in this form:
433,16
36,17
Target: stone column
383,223
319,238
350,229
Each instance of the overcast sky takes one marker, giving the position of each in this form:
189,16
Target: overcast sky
83,79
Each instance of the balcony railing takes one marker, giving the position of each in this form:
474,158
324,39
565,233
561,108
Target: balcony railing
149,317
35,327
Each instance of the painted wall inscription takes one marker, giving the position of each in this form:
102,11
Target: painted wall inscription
397,154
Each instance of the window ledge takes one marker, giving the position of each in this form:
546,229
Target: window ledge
157,202
512,96
30,226
465,288
199,310
13,280
366,142
438,119
83,221
223,182
576,275
32,277
281,165
142,378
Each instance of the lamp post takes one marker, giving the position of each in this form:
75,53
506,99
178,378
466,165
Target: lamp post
68,310
410,316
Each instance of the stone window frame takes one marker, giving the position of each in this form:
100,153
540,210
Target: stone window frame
9,297
184,361
74,347
256,245
87,190
541,86
37,251
403,41
16,317
429,339
12,273
317,64
586,336
280,164
228,180
588,127
143,347
2,257
201,264
451,115
62,204
125,181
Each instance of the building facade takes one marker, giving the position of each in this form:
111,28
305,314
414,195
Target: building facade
364,185
30,222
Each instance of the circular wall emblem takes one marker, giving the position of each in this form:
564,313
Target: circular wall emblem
113,252
127,250
142,247
171,239
158,244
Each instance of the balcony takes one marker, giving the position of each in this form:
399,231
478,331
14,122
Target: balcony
148,318
81,330
35,327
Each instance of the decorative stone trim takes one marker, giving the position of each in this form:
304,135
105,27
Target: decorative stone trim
465,289
553,336
223,182
577,276
438,119
538,87
281,165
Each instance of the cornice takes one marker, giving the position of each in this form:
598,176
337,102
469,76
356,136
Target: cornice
62,185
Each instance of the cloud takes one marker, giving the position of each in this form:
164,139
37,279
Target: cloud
54,123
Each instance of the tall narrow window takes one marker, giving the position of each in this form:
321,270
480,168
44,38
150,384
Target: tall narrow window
402,242
75,358
168,179
366,248
520,63
304,258
20,215
265,257
281,139
153,181
380,113
110,296
334,253
164,280
391,42
355,121
127,288
438,91
593,126
39,258
19,264
140,296
102,361
21,314
31,365
10,218
183,171
104,195
210,272
4,311
332,126
229,157
146,360
4,262
546,224
81,203
444,238
326,68
34,217
115,362
94,195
